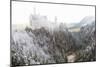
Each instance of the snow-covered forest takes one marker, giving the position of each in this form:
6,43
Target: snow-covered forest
44,42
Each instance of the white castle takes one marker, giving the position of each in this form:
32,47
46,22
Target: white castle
38,21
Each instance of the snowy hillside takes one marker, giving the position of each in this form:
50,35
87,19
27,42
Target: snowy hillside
55,44
85,21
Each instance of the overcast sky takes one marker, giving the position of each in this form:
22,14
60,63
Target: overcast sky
21,12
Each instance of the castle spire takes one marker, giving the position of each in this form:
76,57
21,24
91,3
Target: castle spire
55,19
34,11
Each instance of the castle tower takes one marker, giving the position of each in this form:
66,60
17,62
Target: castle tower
34,11
55,19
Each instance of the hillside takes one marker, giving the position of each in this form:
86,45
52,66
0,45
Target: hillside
43,46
